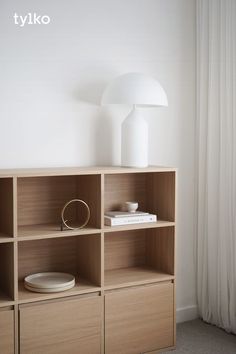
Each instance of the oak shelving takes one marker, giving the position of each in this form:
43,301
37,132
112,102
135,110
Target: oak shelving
67,254
6,274
40,200
140,256
112,265
50,231
6,208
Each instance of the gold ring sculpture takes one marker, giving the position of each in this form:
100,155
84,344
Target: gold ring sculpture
64,222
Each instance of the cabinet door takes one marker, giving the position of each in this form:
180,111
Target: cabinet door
139,320
69,326
7,331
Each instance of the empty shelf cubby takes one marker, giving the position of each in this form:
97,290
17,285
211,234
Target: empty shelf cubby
139,257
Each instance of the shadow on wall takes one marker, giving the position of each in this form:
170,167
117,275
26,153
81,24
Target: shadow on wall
105,123
104,129
89,92
105,142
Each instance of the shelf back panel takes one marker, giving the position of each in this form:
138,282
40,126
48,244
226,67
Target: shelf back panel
6,206
78,255
7,269
49,255
125,249
41,199
120,188
160,249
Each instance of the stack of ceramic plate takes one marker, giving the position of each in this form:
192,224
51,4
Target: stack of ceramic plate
49,282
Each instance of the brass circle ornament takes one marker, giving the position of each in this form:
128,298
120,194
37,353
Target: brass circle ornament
65,222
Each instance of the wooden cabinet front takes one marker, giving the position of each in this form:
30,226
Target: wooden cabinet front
139,320
59,327
6,331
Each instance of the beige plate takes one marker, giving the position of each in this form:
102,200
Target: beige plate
50,280
48,290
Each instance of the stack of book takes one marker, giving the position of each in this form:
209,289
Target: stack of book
117,218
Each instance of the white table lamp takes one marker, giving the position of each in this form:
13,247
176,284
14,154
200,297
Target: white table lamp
137,90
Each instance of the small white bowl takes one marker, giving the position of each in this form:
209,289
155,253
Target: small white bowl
131,207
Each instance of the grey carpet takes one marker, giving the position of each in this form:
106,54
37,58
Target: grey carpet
197,337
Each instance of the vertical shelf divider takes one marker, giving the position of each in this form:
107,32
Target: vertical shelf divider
15,235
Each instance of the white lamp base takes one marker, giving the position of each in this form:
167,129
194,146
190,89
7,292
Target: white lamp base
134,140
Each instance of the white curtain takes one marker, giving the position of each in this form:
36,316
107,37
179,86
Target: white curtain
216,161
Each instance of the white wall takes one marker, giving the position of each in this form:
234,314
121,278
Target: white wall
52,77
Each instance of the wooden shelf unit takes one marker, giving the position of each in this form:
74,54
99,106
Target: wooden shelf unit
125,267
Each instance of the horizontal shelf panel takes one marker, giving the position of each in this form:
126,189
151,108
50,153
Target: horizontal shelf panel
5,300
151,225
31,172
50,230
124,277
82,286
5,238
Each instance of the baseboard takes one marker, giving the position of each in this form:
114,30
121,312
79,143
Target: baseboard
187,313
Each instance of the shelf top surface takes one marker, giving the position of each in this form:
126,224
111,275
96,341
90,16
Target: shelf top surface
88,170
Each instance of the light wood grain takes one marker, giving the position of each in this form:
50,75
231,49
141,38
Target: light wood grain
4,239
34,232
132,276
78,255
49,255
150,225
7,332
89,258
107,261
160,245
6,207
61,171
161,194
7,269
89,190
125,249
41,199
73,326
5,300
139,320
120,188
149,253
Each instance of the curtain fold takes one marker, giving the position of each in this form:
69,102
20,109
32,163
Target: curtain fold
216,162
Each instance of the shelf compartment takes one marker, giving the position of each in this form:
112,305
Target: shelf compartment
41,199
78,255
154,191
6,208
139,257
6,274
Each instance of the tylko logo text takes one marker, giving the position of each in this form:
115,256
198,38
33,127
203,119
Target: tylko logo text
31,19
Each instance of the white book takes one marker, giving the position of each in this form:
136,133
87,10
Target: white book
122,214
129,220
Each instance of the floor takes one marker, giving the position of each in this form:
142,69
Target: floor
197,337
